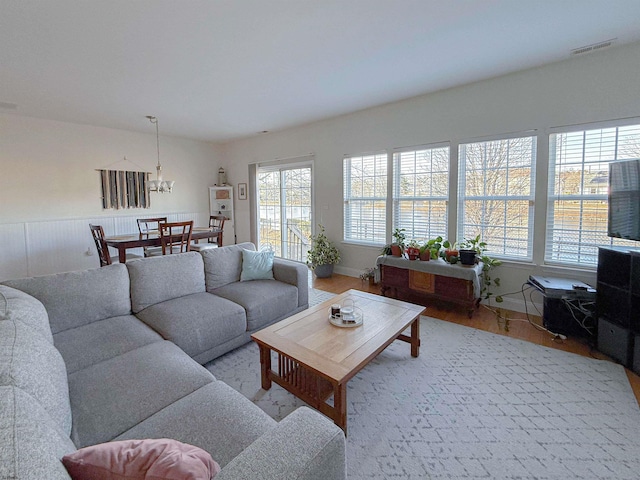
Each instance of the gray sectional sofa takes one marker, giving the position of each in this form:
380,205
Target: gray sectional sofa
116,353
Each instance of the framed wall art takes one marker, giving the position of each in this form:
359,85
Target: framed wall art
242,191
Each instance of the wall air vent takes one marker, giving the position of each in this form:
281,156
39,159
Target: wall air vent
593,48
8,106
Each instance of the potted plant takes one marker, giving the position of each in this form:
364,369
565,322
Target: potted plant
450,251
370,275
470,249
488,264
425,252
397,247
413,249
434,245
322,255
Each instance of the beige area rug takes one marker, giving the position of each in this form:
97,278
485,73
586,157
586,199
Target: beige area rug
473,405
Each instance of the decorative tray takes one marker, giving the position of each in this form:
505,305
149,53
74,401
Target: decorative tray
353,320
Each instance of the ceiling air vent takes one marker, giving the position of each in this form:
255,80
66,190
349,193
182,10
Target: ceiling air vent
594,47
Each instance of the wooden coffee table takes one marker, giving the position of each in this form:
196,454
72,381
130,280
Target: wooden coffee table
316,359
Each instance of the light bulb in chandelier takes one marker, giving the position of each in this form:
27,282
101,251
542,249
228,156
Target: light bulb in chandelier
159,185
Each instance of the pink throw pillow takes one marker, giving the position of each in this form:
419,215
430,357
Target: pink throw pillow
152,459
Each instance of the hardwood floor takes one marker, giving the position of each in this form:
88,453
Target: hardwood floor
483,319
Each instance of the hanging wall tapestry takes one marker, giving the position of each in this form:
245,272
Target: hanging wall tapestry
122,189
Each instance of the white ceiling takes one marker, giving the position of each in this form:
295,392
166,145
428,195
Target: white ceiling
218,70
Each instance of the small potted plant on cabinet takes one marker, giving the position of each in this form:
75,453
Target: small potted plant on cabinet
413,249
476,250
323,255
425,252
434,245
397,247
470,249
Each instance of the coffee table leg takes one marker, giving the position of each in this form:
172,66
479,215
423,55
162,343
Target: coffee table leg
415,337
265,366
340,406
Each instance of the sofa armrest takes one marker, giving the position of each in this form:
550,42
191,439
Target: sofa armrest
305,445
296,274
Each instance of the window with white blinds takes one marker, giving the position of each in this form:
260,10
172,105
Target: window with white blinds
577,209
496,193
420,192
365,198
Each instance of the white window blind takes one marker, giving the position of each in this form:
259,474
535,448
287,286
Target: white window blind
496,192
577,211
420,192
365,197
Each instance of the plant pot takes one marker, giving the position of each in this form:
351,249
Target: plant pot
413,253
425,256
467,257
396,251
323,271
450,253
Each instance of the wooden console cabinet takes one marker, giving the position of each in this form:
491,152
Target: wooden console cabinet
422,282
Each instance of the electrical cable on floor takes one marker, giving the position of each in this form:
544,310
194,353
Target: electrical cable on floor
556,336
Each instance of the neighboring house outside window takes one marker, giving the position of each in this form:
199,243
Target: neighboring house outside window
496,193
577,208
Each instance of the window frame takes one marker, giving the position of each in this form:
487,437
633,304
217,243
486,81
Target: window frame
349,200
550,255
396,198
529,198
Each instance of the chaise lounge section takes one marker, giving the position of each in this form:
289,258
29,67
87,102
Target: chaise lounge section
115,353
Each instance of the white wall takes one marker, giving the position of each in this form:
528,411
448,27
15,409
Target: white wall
50,190
596,87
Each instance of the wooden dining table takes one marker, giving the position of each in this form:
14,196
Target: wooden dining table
152,239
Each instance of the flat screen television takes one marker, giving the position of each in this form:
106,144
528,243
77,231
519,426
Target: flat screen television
624,199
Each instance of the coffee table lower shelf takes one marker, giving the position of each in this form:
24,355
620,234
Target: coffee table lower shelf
305,384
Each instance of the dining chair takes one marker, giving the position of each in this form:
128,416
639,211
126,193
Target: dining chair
150,225
216,223
103,249
175,237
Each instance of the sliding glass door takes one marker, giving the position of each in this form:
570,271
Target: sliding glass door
285,214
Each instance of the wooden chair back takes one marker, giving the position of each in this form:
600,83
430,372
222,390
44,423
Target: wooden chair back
216,222
146,225
101,245
175,237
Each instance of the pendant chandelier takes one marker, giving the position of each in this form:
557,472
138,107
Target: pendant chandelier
159,185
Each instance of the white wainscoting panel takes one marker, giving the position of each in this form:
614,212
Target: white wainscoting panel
41,248
13,251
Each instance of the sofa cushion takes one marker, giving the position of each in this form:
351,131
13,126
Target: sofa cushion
90,344
263,300
256,265
196,323
223,265
157,279
32,364
73,299
16,305
32,444
151,459
110,397
232,422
